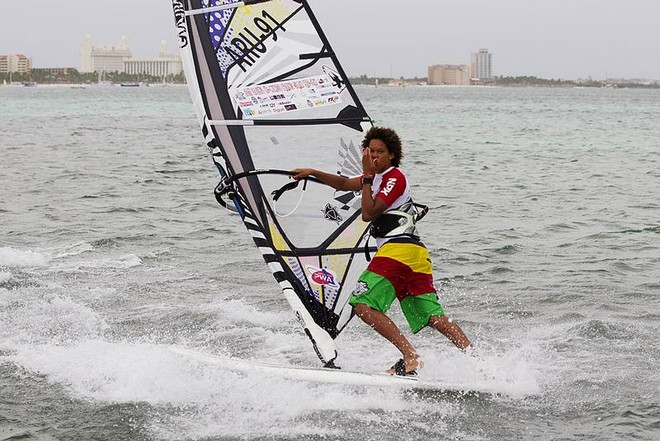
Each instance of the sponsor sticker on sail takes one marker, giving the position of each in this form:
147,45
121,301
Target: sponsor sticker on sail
287,96
323,276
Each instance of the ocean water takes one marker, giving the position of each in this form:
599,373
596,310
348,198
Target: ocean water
114,256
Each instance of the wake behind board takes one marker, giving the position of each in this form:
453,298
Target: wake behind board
311,374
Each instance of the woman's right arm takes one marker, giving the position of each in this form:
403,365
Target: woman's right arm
335,181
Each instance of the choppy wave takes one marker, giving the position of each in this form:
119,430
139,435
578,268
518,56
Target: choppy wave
12,257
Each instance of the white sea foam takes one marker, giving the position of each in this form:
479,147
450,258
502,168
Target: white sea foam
11,257
71,250
126,261
33,318
508,373
214,401
119,262
239,311
4,276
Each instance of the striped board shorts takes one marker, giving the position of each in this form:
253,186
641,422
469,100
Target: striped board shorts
400,269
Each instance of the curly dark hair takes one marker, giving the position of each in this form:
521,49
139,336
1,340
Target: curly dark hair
391,140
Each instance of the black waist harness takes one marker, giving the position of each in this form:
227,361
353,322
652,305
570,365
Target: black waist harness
399,222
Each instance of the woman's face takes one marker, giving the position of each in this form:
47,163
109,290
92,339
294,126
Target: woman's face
380,155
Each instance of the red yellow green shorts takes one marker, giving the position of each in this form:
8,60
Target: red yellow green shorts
400,270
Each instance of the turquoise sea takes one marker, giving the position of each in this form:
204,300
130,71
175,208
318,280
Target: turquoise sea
114,256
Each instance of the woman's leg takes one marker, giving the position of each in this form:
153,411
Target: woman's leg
388,329
450,330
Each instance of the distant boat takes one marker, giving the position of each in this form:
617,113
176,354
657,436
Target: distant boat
29,84
130,84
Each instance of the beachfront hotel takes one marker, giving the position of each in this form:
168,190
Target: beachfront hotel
120,59
479,72
449,75
15,63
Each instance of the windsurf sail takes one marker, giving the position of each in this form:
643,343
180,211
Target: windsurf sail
270,96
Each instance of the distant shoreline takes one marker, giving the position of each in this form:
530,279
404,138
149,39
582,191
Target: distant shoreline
525,81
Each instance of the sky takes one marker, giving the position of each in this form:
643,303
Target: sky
567,39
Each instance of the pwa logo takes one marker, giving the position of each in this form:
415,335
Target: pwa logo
323,276
391,182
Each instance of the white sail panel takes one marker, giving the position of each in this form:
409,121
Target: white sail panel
271,96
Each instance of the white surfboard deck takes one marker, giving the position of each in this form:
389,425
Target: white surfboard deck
312,374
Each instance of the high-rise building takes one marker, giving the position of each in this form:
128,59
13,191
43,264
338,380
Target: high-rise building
86,60
15,63
449,74
482,65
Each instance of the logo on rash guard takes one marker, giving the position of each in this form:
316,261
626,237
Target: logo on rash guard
391,182
323,276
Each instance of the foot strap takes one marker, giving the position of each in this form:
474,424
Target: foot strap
399,368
